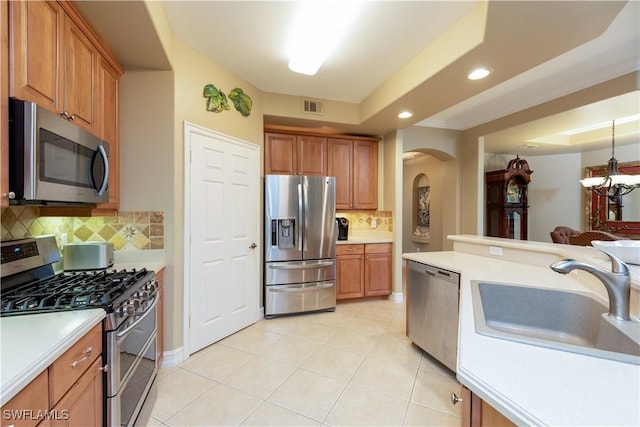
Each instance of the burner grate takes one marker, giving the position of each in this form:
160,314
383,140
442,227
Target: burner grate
68,291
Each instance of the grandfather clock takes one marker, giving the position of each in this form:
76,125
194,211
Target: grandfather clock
507,200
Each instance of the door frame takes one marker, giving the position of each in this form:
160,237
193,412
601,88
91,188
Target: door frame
190,128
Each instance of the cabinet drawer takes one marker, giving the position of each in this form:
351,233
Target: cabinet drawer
66,370
349,250
34,397
378,248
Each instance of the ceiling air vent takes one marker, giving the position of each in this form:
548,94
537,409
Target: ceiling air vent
312,106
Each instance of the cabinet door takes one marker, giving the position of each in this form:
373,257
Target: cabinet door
312,155
35,38
377,277
478,413
365,175
349,276
34,397
109,120
339,161
82,405
80,62
280,154
4,104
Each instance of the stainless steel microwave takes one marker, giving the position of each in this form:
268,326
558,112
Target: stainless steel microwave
52,161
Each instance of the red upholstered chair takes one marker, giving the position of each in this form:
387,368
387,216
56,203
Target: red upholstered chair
584,239
561,234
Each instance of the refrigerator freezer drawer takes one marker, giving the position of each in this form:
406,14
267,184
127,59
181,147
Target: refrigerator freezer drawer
290,272
300,297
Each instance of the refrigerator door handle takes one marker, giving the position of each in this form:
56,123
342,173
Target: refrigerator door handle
301,224
300,266
304,289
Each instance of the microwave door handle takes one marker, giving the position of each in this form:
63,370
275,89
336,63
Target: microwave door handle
105,178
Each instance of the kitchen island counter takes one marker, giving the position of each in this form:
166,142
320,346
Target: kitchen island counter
32,342
528,384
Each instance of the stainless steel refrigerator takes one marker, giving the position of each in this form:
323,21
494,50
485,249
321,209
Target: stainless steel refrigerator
300,244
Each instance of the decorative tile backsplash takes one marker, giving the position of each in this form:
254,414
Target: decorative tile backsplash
361,221
137,230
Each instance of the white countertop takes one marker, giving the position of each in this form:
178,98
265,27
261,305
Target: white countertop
30,343
364,237
528,384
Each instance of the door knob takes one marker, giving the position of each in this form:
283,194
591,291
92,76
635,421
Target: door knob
253,245
455,399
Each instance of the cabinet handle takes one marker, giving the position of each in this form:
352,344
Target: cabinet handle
253,245
72,117
455,399
86,354
65,115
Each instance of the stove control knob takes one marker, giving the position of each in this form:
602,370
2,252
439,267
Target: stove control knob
151,287
135,303
128,310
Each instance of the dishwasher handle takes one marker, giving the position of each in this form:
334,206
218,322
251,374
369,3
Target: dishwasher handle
436,272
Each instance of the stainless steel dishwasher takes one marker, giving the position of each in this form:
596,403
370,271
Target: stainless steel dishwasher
432,311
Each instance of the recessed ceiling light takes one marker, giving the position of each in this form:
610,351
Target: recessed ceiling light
405,115
478,73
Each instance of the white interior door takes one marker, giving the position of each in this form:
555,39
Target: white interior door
223,216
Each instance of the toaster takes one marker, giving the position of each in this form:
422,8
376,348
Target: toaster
87,256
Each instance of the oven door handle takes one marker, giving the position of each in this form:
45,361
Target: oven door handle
129,328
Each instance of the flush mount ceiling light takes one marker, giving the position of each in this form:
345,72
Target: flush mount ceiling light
478,73
614,184
318,27
405,115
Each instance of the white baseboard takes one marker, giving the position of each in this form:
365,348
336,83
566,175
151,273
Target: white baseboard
397,296
172,358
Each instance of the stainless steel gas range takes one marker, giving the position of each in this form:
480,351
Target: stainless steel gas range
30,286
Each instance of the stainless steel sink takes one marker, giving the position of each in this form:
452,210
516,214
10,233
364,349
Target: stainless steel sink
562,320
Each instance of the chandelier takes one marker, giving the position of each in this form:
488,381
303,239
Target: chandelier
613,185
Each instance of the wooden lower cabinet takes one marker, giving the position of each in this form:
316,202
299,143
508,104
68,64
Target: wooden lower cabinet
363,270
22,410
82,405
349,271
478,413
67,393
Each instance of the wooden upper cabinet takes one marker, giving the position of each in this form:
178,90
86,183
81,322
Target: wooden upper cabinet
58,62
55,59
80,70
280,154
354,163
295,154
35,41
365,175
312,155
109,119
4,104
339,164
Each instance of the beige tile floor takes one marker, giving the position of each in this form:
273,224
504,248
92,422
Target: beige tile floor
354,366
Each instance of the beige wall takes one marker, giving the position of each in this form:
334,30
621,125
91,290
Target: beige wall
444,152
154,107
192,72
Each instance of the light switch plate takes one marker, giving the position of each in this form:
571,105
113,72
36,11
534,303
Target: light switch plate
374,223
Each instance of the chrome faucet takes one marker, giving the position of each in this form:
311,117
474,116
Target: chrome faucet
617,282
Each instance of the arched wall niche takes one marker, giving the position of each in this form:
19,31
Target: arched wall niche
436,170
421,208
